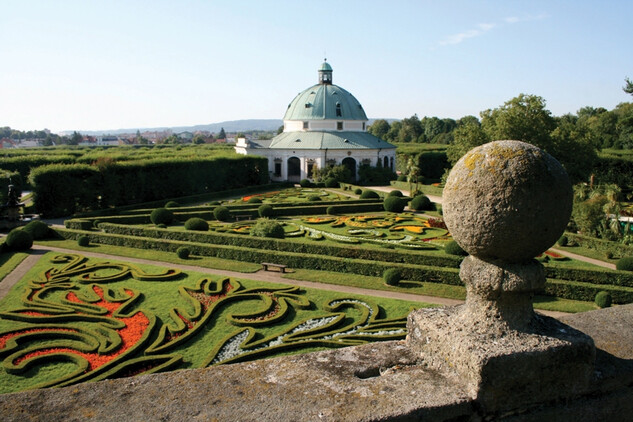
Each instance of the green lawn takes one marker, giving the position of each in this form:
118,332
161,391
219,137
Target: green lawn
73,319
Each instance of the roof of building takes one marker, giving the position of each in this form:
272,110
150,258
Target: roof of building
329,140
325,101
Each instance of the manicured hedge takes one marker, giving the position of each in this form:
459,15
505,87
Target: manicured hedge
587,292
292,259
285,245
65,189
600,245
601,277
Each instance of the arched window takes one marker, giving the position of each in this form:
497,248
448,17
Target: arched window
385,162
350,163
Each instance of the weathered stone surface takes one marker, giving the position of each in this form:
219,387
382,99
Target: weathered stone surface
507,200
503,368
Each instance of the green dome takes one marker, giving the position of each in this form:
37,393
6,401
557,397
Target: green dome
325,102
326,66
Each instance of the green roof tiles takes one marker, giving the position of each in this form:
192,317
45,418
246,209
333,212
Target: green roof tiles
329,140
323,101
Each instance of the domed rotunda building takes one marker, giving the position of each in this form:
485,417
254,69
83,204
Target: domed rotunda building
324,125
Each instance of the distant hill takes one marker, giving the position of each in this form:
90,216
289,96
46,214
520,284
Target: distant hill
229,126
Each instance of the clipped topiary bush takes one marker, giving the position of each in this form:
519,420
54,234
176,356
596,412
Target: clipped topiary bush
37,229
268,228
331,183
420,203
624,264
254,200
172,204
18,240
196,223
402,178
305,183
391,277
453,248
83,241
320,184
183,252
369,194
562,241
331,210
313,198
161,226
358,191
265,210
603,299
221,213
396,193
161,216
394,204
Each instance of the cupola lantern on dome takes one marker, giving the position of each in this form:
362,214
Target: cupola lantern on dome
325,73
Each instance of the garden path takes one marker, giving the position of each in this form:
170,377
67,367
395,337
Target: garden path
266,276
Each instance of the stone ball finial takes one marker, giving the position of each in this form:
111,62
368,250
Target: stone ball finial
507,200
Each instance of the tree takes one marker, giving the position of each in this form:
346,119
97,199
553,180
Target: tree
379,128
198,139
628,88
75,138
465,138
523,118
222,134
573,147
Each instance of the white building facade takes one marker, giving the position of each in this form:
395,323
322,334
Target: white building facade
323,126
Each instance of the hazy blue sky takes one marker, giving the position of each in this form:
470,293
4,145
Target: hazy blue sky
90,65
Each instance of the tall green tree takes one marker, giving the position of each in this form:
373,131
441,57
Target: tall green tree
222,134
628,87
523,118
379,128
465,138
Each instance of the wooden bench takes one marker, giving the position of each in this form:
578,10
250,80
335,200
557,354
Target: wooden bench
268,265
243,217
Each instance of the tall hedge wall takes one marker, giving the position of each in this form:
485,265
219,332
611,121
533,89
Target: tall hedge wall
65,189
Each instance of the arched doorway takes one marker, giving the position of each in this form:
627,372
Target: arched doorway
294,169
350,163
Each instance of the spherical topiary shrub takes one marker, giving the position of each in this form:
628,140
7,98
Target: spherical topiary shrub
83,241
358,191
394,204
305,183
420,203
453,248
265,210
172,204
603,299
254,200
221,213
183,252
196,223
396,193
391,277
331,210
161,216
331,183
18,240
313,198
37,229
562,241
267,228
369,194
624,264
402,178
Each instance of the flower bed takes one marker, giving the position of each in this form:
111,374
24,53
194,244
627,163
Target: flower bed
74,319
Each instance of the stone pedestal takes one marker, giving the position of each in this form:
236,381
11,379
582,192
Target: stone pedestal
504,203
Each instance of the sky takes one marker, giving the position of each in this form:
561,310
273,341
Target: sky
97,65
